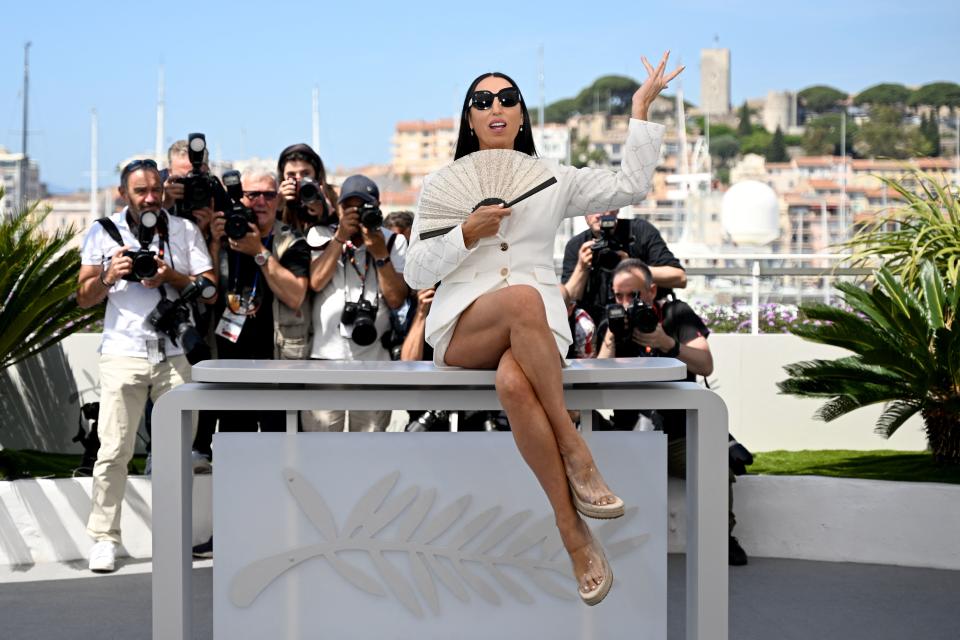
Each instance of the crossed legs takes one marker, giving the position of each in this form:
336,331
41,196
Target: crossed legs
507,330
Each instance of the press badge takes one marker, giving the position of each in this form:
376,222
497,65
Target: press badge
155,351
231,324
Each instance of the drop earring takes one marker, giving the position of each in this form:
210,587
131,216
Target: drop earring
521,128
471,132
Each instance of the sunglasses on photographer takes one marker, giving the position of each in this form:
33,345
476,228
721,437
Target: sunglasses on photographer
483,100
136,165
253,195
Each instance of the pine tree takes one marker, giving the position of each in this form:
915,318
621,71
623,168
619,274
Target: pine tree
931,131
744,128
777,151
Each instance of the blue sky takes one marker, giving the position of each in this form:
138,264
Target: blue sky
243,72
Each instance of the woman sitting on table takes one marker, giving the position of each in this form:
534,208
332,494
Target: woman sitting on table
499,305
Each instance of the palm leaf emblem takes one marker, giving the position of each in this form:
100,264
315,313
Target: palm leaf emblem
469,564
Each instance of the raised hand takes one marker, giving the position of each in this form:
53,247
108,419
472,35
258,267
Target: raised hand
656,82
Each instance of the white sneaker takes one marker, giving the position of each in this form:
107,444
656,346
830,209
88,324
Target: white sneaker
201,463
103,556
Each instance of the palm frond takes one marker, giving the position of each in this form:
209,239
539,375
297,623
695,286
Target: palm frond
38,286
906,352
837,407
850,368
894,415
926,226
934,295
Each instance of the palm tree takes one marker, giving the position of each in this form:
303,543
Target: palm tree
38,286
906,353
926,227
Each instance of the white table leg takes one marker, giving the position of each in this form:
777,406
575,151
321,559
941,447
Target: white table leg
707,477
172,519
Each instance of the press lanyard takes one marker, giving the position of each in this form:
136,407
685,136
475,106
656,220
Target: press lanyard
350,253
235,285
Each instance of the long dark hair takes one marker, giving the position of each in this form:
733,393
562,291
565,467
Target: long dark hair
304,153
467,143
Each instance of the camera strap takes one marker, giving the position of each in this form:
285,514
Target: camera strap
110,227
351,255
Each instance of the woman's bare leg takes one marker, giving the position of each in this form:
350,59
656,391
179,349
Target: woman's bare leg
515,317
538,446
481,342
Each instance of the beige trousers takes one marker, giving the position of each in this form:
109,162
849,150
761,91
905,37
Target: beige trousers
124,384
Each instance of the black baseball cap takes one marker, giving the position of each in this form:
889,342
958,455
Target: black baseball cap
361,187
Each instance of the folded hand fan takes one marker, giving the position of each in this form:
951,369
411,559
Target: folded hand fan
481,178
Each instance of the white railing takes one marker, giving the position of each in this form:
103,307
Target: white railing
756,267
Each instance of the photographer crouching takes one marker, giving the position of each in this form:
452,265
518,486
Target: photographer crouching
147,265
591,256
640,325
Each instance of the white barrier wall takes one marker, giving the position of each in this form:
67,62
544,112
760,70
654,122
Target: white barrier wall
801,517
428,536
746,370
40,399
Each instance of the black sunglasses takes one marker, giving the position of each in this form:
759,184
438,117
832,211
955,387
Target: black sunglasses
134,165
253,195
483,100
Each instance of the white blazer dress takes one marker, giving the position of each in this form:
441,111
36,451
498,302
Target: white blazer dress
522,251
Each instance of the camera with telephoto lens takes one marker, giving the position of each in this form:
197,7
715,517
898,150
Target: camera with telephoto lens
239,216
309,190
172,317
362,315
622,321
199,187
370,216
614,237
144,260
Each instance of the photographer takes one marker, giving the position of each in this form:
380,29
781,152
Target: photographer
264,309
591,256
189,190
357,273
400,222
307,198
639,324
139,260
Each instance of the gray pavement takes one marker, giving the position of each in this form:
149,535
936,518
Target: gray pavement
770,599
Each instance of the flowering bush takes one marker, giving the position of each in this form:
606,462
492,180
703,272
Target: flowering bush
774,317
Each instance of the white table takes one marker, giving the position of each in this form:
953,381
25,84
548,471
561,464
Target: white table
247,385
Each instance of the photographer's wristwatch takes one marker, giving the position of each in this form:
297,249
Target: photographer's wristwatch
262,257
380,263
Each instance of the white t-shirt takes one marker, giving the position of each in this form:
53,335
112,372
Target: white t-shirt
125,326
331,340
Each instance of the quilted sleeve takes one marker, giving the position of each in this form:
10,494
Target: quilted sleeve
430,261
592,190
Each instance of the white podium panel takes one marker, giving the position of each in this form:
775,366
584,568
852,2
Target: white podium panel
425,536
